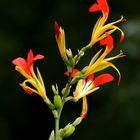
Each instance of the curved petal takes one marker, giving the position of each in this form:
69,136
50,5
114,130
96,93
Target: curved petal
84,107
28,89
26,74
104,65
21,62
103,79
108,41
38,57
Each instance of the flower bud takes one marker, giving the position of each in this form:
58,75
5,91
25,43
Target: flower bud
63,91
55,89
68,130
77,121
69,53
57,101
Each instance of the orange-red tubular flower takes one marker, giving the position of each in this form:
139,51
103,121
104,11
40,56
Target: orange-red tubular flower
91,84
60,39
23,66
100,28
99,62
88,85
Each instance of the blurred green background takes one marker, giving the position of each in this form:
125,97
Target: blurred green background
114,112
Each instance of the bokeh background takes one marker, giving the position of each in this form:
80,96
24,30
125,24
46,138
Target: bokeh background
114,112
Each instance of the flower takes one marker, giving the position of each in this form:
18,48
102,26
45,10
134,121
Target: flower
23,66
86,86
91,84
99,62
100,28
60,39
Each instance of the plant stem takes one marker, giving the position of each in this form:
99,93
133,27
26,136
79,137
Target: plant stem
57,116
56,127
58,112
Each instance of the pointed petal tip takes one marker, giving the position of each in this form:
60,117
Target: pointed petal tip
29,91
119,80
122,37
57,29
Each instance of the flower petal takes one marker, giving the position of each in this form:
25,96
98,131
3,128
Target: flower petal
21,62
26,74
57,29
108,41
102,5
104,65
90,78
95,7
28,90
38,57
30,57
103,79
84,107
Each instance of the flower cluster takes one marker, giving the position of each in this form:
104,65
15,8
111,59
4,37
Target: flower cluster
85,79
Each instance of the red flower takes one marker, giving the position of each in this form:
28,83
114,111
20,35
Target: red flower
24,66
100,27
89,85
101,6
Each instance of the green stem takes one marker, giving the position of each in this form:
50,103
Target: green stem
56,127
57,113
